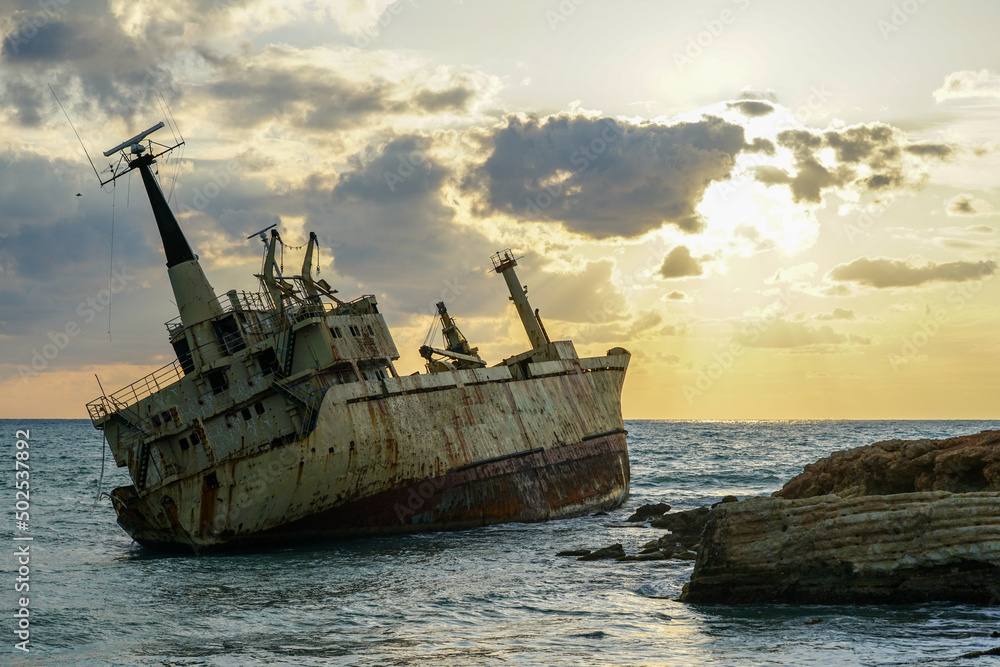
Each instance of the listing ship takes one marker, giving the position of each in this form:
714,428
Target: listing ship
283,417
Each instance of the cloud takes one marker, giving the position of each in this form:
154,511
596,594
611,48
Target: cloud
752,108
311,91
760,145
966,204
785,334
677,295
867,157
969,83
838,314
882,272
604,178
680,264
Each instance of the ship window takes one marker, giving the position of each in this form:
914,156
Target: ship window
166,417
184,444
336,332
343,373
211,481
268,361
217,379
195,438
258,407
156,420
245,413
355,331
377,369
370,330
228,333
183,352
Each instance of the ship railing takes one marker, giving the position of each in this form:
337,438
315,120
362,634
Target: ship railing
126,397
245,302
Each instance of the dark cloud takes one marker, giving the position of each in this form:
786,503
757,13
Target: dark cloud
452,99
400,170
752,108
677,296
760,145
680,264
876,147
769,175
882,272
940,151
967,205
603,178
81,47
318,98
395,235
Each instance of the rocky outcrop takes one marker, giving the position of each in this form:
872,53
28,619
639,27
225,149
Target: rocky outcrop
961,465
911,547
894,522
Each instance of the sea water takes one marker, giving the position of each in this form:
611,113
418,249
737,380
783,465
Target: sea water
491,596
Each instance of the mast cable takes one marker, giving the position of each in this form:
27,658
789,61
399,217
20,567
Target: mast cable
111,261
100,480
85,151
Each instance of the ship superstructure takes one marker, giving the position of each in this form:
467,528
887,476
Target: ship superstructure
283,416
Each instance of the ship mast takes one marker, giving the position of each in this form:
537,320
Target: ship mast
504,263
193,294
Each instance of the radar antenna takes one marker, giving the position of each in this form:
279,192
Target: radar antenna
131,149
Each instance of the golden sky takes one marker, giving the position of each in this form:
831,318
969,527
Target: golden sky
783,209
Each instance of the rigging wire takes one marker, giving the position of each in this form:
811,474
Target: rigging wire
86,152
111,260
104,441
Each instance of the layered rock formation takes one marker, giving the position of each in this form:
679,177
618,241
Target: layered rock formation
894,522
960,465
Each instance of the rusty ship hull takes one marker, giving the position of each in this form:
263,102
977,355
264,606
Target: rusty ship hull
284,417
479,450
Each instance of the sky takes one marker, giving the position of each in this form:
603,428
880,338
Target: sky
783,209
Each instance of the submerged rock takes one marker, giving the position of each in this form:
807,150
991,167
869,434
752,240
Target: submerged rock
614,551
649,511
644,556
574,552
685,527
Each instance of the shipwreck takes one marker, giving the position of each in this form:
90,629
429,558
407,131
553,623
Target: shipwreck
284,418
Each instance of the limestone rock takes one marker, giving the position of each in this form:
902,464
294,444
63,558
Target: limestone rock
960,465
901,548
